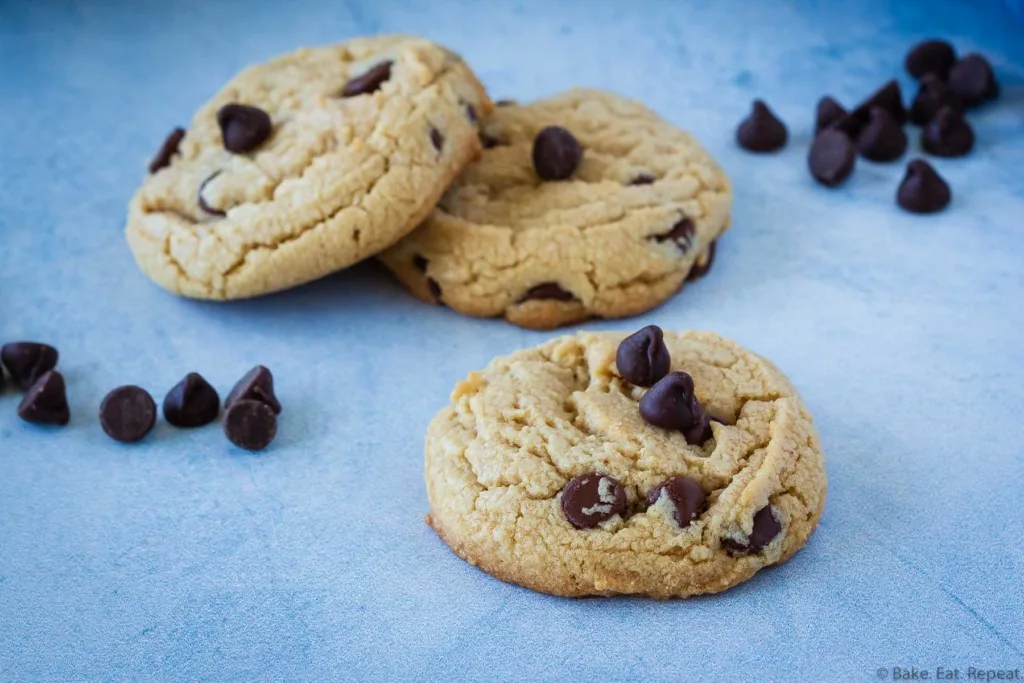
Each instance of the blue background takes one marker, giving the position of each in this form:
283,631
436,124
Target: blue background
184,558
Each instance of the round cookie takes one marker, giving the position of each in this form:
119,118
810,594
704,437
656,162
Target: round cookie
542,471
335,153
619,236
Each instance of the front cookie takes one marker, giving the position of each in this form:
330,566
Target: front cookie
304,165
582,205
552,470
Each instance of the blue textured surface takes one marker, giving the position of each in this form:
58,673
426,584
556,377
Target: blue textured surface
183,558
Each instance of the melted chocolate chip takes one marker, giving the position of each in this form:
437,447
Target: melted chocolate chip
250,424
193,402
923,190
672,404
556,153
762,131
489,142
471,113
882,139
420,263
547,290
973,80
642,179
703,263
681,234
436,139
948,134
202,202
686,496
765,529
828,113
642,358
46,401
831,157
167,150
28,361
434,289
932,95
930,57
256,385
127,414
369,82
243,127
589,499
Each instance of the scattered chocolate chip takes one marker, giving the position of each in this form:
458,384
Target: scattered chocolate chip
202,202
831,157
642,358
420,263
250,424
672,404
642,179
948,134
28,361
167,150
973,80
762,131
883,138
681,234
369,82
589,499
922,190
489,142
547,290
828,113
46,401
193,402
556,153
436,139
686,495
766,528
932,95
243,127
127,414
703,263
930,57
434,289
256,385
888,97
471,113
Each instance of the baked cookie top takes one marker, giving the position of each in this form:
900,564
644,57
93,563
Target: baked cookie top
306,164
547,233
547,469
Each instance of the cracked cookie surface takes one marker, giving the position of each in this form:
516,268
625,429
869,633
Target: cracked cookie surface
500,456
364,138
620,236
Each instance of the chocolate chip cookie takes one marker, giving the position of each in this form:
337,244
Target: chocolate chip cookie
582,205
304,165
558,469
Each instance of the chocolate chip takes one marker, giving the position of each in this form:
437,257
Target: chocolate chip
642,179
192,402
369,82
831,157
436,139
46,401
489,142
202,202
547,290
930,57
256,385
505,103
828,113
765,529
642,358
127,414
167,150
887,97
556,153
762,131
250,424
434,289
589,499
243,127
973,80
883,138
922,190
28,361
686,496
932,95
703,263
681,234
672,404
948,134
471,113
420,263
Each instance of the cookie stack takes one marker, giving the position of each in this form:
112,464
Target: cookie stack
582,205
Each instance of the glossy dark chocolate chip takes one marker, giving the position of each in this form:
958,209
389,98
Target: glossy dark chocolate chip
642,179
589,499
547,290
930,57
250,424
243,127
28,361
556,153
888,97
167,150
828,113
765,529
46,401
686,496
923,190
932,95
831,157
420,263
488,141
672,404
681,234
434,289
642,358
202,201
127,414
193,402
368,82
436,139
973,80
762,131
882,139
256,385
948,134
703,263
